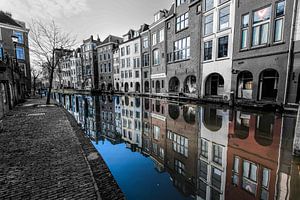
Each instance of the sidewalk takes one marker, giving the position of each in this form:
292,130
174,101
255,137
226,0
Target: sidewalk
41,156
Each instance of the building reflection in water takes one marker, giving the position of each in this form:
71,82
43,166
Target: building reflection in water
208,152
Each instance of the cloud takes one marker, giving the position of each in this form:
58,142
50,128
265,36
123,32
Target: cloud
44,9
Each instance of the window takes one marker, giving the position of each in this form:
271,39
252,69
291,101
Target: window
223,47
208,24
137,74
146,59
182,22
217,154
154,40
136,48
209,4
145,74
249,176
244,32
260,29
127,62
156,17
180,143
179,167
122,51
161,35
224,18
222,1
208,50
123,63
279,18
156,57
20,53
156,132
235,177
179,2
203,170
216,177
145,42
182,49
127,50
204,148
265,184
20,37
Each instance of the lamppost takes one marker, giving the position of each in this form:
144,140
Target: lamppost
15,40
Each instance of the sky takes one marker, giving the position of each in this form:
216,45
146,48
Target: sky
84,18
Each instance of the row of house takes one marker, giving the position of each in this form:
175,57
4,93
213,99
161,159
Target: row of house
15,75
211,49
207,151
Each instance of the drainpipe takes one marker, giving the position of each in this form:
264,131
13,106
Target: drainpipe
291,49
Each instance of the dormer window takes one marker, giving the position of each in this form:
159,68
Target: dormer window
156,17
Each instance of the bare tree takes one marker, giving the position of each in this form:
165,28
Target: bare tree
35,73
46,38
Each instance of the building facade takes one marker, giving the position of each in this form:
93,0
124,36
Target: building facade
130,62
261,50
15,74
105,52
217,47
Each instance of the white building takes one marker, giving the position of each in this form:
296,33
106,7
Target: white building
130,67
217,42
76,70
132,120
117,73
213,142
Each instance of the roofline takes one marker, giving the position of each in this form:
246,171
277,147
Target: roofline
8,26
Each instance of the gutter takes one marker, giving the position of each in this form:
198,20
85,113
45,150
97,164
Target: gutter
291,47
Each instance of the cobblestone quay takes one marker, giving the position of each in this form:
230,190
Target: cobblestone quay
44,155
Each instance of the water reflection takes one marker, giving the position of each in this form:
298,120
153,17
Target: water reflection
157,149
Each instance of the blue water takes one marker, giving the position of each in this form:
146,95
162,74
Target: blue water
136,174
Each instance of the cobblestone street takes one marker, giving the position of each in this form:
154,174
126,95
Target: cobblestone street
41,156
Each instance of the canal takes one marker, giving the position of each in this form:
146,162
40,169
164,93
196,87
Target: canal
160,149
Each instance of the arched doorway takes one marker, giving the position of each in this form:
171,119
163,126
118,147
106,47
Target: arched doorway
126,87
174,111
174,84
117,86
245,85
103,87
268,85
214,85
190,84
157,87
147,87
137,87
212,119
189,114
109,87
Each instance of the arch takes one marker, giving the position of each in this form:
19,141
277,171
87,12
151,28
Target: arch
174,111
117,86
214,85
174,84
117,100
137,102
264,129
245,85
189,114
147,86
126,87
126,100
242,122
211,119
157,86
103,87
147,104
157,105
190,84
268,85
137,87
109,87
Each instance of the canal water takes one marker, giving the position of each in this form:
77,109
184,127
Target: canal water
159,149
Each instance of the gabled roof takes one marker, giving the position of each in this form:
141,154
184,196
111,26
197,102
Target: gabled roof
6,18
112,38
